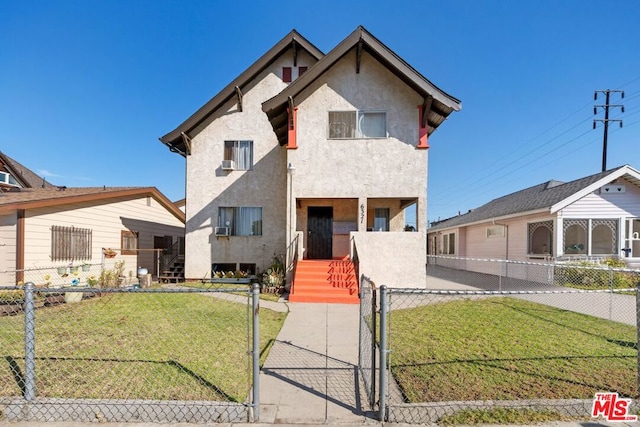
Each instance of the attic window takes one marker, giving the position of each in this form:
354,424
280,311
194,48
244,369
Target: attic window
6,178
302,70
286,74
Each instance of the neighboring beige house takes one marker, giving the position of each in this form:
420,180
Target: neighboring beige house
312,156
590,218
50,227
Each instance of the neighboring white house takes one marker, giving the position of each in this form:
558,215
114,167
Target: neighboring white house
590,218
50,227
308,154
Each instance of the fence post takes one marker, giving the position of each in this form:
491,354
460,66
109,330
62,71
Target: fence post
29,343
374,323
383,353
638,331
256,351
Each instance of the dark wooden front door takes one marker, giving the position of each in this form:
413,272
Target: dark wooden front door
319,232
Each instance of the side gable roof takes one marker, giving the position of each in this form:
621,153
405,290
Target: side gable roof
549,196
175,139
442,104
25,176
32,198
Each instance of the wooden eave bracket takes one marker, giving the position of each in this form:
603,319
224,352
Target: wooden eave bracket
291,125
239,95
358,56
295,53
187,144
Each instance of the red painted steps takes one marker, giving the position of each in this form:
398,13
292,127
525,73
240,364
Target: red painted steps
325,281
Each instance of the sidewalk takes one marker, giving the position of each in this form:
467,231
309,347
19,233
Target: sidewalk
310,375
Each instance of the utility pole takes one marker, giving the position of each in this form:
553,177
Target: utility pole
606,119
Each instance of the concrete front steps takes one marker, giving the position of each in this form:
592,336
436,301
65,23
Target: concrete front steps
325,281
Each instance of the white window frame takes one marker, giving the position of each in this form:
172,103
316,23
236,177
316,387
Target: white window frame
448,240
356,121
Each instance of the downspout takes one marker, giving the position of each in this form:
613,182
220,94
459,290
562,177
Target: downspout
20,245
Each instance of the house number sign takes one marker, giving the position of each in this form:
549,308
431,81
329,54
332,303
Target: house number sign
362,214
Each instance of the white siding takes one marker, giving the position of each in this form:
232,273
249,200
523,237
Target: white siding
106,220
8,226
608,205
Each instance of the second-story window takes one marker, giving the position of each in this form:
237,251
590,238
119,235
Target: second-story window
357,124
241,152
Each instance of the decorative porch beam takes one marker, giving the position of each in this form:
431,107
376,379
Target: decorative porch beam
239,95
358,56
187,144
292,118
423,122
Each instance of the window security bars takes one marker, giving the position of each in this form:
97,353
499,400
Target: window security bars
70,243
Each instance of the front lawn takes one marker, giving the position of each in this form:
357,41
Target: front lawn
137,346
508,349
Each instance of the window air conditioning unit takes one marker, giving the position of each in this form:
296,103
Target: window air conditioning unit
228,165
222,231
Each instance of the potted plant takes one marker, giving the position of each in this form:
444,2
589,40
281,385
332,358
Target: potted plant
73,297
62,270
109,253
86,266
73,269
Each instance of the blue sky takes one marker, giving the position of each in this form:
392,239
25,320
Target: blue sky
88,87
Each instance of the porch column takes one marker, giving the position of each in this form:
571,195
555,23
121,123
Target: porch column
559,237
362,214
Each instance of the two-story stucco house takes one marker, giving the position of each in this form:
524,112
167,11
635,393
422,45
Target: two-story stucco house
313,157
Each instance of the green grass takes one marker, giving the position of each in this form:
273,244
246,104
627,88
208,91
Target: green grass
137,346
503,348
504,416
208,285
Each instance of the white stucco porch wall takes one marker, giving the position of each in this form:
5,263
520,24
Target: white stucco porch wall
397,260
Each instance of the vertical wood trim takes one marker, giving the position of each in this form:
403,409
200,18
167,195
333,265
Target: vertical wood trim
20,245
423,129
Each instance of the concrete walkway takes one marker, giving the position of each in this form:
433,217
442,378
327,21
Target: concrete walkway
310,375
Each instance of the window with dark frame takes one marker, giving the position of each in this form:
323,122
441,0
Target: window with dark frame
129,242
70,243
242,221
241,152
302,70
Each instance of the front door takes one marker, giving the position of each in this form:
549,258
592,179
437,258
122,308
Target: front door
319,232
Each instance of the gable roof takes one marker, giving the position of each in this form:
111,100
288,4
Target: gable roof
442,104
550,197
32,198
175,140
25,176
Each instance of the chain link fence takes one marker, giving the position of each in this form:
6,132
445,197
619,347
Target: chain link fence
505,336
367,353
72,352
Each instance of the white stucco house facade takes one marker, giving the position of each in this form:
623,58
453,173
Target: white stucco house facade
312,156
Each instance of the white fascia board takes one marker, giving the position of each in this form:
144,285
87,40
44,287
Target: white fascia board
624,170
490,220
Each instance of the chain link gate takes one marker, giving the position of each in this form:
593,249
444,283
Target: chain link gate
129,355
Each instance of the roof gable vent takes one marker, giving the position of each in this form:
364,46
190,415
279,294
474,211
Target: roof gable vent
613,189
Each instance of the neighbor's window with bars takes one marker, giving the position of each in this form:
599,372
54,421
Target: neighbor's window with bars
129,242
242,221
70,243
241,152
357,124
